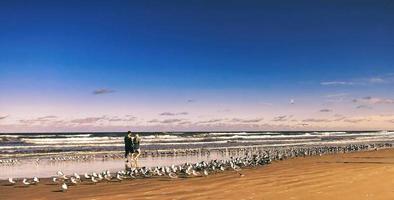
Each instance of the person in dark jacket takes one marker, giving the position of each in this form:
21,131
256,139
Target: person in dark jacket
128,144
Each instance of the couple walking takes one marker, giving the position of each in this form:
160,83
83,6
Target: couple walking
132,147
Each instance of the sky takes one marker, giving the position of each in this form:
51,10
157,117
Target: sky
196,65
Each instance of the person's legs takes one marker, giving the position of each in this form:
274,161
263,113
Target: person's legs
126,153
135,157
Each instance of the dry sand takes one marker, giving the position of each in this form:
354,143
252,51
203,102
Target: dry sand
362,175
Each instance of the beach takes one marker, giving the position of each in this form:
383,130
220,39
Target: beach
358,175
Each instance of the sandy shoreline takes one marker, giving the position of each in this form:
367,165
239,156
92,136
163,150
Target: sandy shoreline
359,175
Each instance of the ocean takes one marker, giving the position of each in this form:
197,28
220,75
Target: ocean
20,145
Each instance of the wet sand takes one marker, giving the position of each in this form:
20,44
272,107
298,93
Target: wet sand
360,175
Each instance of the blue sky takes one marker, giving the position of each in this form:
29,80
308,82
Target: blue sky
212,59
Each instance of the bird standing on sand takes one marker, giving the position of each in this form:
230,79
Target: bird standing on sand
94,180
25,182
55,180
119,177
77,176
64,187
36,180
86,176
11,181
172,175
74,180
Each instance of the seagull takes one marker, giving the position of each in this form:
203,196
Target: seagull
64,187
36,180
172,175
11,181
195,173
100,177
60,173
77,176
86,176
73,180
205,172
55,180
94,180
25,182
119,177
107,177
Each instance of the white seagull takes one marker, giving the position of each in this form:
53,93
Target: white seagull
86,176
73,180
64,187
36,180
77,176
11,181
119,177
25,182
94,180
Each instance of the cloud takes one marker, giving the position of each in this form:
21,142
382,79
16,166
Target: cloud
191,101
355,120
292,101
167,121
377,80
48,117
338,95
3,117
41,120
316,120
87,120
325,110
238,120
373,100
49,120
363,107
103,91
173,114
210,121
383,79
282,118
336,83
127,118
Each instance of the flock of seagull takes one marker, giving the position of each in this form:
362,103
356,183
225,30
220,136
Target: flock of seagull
257,157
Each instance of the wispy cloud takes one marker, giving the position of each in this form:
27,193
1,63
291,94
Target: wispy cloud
316,120
363,107
325,110
191,101
373,100
173,113
282,118
210,121
383,79
103,91
45,120
167,121
127,118
239,120
355,120
338,95
87,120
336,83
3,117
